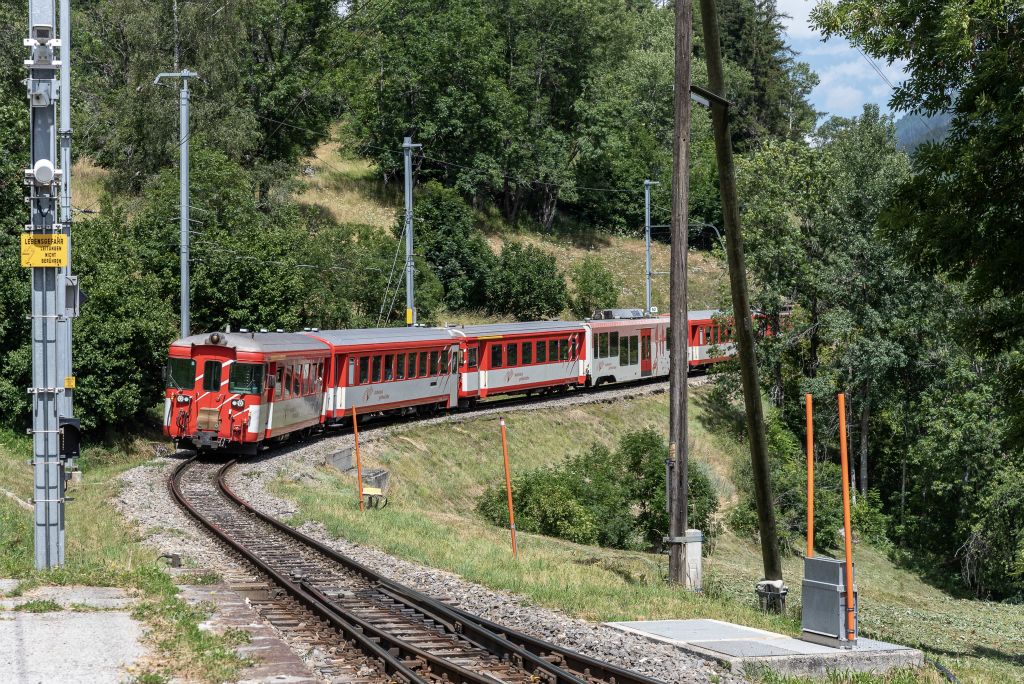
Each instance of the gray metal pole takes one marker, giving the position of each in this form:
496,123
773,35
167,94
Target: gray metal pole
64,349
410,269
183,189
184,200
647,241
44,249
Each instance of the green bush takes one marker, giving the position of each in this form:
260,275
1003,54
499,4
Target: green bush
614,499
526,284
593,287
452,245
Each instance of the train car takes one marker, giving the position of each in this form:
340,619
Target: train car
626,346
232,391
513,358
710,340
389,370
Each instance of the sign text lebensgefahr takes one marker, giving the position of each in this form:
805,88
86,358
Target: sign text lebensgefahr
43,251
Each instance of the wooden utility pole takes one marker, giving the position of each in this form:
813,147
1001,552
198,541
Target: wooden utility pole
678,361
740,296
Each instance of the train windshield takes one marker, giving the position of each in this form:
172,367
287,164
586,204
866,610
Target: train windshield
181,373
246,378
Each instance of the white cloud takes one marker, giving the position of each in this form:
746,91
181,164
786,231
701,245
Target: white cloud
844,100
798,26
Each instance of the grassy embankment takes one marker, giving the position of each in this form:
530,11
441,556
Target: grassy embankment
349,191
104,550
439,470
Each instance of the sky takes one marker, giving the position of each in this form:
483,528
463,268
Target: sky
848,81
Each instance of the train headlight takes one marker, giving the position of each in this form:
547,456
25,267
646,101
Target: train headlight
183,399
238,403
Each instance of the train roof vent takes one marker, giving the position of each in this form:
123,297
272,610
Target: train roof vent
280,330
263,330
617,314
243,330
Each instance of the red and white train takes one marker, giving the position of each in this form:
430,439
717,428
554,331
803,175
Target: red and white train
237,391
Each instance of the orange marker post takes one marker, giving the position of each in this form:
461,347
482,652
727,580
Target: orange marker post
359,460
850,628
810,474
508,489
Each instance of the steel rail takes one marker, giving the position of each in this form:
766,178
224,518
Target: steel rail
391,664
524,649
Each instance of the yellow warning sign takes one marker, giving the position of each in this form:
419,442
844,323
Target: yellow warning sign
44,251
69,382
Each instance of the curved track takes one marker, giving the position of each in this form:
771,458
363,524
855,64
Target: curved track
408,636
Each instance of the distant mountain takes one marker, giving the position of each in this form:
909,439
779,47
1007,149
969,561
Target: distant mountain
913,130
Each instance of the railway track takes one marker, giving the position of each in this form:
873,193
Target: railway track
376,629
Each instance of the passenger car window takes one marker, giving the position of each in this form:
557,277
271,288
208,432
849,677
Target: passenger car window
211,376
495,356
527,353
613,344
542,352
423,364
245,378
602,345
364,369
512,352
624,352
376,369
553,350
181,373
563,350
389,364
472,357
400,367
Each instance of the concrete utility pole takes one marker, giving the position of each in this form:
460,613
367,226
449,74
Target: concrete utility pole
44,249
678,361
410,267
183,142
647,241
740,297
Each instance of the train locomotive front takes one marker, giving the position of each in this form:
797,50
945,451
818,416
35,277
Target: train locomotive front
230,392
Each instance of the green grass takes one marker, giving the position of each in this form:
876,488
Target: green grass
39,606
104,550
439,470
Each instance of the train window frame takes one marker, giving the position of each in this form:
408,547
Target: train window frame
542,352
572,348
241,385
212,371
552,350
400,366
432,368
602,345
179,369
471,358
496,356
512,354
634,350
527,354
563,350
389,367
279,389
422,370
375,369
319,377
410,368
624,351
364,370
296,380
613,344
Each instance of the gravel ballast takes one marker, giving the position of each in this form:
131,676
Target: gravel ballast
146,500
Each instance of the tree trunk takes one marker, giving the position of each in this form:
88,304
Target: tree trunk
865,417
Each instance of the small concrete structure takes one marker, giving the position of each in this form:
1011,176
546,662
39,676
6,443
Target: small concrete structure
745,649
68,647
98,598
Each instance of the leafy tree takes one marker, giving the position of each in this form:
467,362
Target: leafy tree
456,251
526,284
266,95
594,287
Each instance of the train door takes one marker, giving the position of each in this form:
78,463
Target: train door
645,352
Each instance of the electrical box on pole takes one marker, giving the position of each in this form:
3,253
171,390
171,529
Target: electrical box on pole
45,249
410,267
183,189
